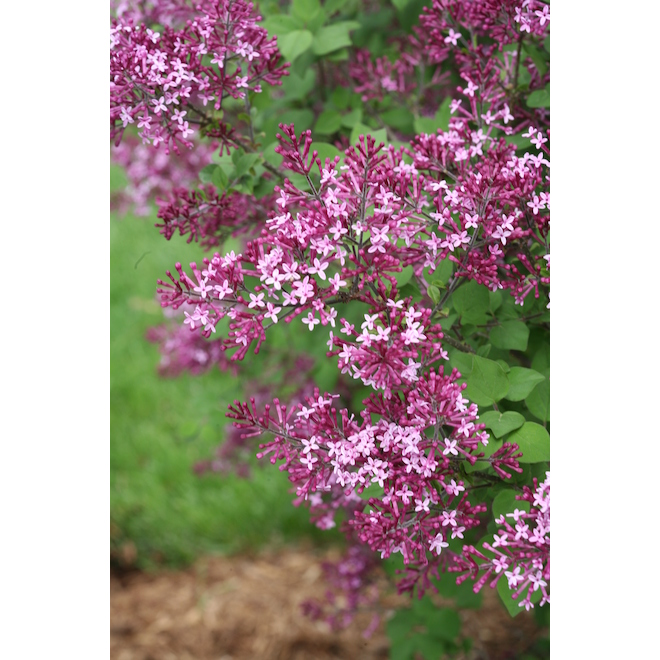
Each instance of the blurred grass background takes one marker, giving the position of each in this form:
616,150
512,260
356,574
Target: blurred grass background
161,512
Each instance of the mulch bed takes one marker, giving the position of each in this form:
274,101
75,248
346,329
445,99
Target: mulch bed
248,607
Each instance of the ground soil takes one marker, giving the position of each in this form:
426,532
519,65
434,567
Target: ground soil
248,608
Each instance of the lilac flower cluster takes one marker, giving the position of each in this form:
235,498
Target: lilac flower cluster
162,81
334,244
410,459
520,551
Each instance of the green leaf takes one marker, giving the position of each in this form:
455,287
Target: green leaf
484,351
541,360
271,156
333,37
340,97
448,321
472,302
510,335
404,276
206,173
400,4
294,44
444,271
372,24
430,647
424,125
328,122
351,118
401,624
298,87
434,294
461,361
538,401
281,24
511,604
236,155
505,502
305,9
466,598
534,443
501,423
220,179
363,129
313,23
403,649
540,98
332,6
495,298
264,187
326,150
521,382
245,162
521,143
399,118
487,382
302,119
445,624
443,114
340,55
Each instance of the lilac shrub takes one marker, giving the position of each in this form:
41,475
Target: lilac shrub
409,262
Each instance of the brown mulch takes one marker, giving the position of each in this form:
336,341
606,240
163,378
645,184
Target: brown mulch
240,608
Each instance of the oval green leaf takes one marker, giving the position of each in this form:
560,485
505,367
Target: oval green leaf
521,382
472,302
328,122
294,44
333,37
510,335
501,423
538,401
487,382
534,443
540,98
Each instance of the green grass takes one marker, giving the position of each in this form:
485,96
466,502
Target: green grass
161,427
